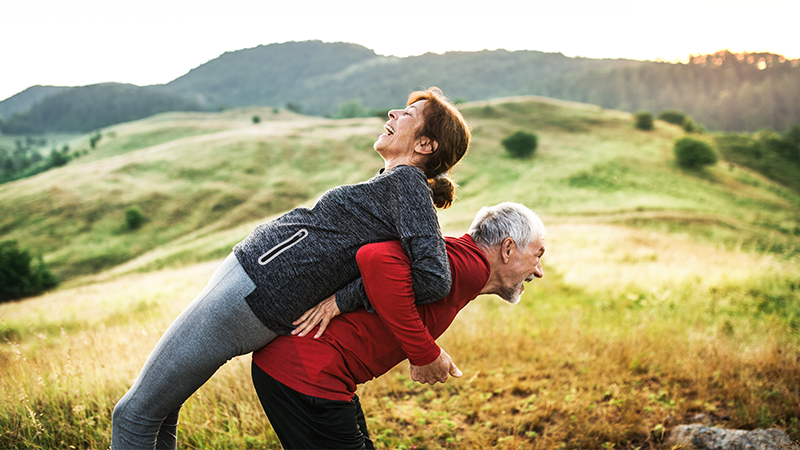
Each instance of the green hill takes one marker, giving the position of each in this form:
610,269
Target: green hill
721,91
203,180
23,101
87,108
668,294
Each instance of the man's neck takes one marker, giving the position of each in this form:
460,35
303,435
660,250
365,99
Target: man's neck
493,256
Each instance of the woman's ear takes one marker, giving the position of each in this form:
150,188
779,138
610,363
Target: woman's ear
426,146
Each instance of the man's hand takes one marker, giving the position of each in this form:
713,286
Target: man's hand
320,314
437,371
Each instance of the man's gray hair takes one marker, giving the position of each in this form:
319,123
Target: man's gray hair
493,224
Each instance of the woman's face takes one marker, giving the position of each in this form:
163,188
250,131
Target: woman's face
400,138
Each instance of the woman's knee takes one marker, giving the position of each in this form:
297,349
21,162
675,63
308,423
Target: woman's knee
381,253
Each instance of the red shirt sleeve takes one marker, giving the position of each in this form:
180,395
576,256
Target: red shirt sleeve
386,273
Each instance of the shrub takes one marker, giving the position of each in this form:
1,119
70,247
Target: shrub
692,153
643,120
351,109
521,144
689,126
256,119
58,159
95,139
672,116
134,218
18,276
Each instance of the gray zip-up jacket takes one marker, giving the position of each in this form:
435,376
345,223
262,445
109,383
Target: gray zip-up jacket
304,256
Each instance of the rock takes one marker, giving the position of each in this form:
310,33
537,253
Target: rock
701,437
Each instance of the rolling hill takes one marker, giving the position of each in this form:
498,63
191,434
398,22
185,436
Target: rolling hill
668,294
203,179
722,91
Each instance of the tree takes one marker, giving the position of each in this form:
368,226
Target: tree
134,218
57,158
643,120
672,116
793,134
693,153
351,109
521,144
294,107
95,139
689,126
21,275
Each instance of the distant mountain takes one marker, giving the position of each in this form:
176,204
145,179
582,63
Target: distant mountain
24,100
274,75
87,108
723,91
319,77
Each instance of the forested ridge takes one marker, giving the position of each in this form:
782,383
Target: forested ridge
722,91
86,108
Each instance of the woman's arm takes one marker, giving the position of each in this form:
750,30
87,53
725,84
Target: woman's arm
386,273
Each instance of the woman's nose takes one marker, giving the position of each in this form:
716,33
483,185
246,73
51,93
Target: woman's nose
393,113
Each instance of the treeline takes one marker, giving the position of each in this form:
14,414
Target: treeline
723,91
28,158
87,108
320,78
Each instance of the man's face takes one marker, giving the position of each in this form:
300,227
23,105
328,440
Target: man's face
519,269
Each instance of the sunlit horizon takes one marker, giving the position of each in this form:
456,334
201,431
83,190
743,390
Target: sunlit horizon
47,42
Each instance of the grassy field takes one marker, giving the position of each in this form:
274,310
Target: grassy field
668,295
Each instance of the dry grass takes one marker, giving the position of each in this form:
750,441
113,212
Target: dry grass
612,359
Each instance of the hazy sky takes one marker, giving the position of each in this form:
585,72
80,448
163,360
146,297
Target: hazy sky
79,42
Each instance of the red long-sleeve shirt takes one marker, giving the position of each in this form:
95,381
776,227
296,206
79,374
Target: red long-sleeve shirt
359,346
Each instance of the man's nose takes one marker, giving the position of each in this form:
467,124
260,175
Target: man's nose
539,271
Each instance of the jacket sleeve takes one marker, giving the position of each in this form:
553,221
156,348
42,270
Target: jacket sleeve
413,216
353,296
386,276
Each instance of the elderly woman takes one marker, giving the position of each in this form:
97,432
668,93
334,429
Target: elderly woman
288,265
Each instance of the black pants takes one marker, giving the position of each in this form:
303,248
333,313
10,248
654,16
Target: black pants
305,422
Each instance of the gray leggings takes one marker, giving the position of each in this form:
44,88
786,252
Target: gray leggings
217,326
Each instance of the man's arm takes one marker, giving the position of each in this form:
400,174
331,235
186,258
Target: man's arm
386,274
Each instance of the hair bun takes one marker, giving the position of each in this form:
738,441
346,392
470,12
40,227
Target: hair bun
444,190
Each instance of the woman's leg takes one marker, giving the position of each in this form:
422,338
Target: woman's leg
305,422
217,326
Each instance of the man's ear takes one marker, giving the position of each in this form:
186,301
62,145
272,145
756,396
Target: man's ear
426,146
506,248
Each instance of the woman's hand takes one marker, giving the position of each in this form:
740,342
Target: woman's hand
320,314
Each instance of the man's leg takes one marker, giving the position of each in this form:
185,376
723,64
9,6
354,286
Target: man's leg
305,422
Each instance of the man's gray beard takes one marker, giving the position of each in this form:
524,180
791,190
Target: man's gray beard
512,295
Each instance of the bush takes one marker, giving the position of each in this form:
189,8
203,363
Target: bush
351,109
18,277
692,153
256,119
672,116
643,120
689,126
134,218
521,144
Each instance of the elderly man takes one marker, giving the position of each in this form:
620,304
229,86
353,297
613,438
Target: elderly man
307,386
